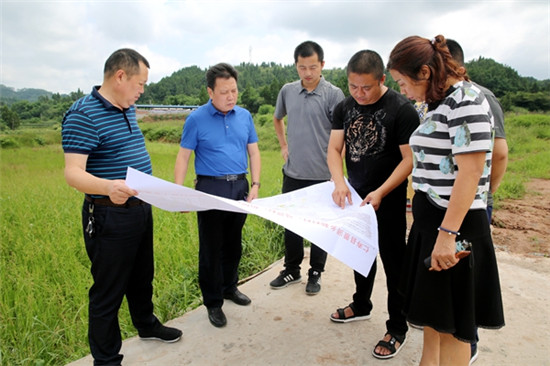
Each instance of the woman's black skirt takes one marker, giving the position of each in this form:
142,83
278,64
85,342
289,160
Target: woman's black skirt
460,299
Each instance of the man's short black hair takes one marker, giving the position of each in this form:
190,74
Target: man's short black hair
221,70
456,51
366,62
307,49
125,59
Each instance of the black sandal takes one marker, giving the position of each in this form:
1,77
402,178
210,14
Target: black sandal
390,345
342,315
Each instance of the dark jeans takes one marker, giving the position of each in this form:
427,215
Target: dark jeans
294,244
121,253
392,227
220,247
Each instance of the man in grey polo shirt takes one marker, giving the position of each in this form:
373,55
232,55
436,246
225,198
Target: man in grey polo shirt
308,103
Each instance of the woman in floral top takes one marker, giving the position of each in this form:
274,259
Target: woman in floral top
452,147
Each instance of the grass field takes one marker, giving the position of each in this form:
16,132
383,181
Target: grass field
44,269
528,137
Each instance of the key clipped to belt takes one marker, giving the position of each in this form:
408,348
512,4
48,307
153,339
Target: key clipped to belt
90,228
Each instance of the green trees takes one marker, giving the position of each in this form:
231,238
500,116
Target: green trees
511,89
47,109
9,118
251,99
500,79
182,84
259,85
539,101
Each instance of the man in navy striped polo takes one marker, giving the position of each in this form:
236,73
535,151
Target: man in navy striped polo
101,139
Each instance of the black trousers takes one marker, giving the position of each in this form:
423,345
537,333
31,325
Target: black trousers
220,236
294,244
392,229
121,253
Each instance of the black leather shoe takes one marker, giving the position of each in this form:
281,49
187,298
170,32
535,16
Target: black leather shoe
217,317
237,297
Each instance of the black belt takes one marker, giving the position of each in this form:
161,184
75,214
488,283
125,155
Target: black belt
228,177
107,202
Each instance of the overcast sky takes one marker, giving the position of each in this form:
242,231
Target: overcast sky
61,46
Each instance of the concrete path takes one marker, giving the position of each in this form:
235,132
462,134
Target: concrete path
288,327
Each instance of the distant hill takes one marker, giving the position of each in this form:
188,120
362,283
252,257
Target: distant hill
260,83
502,79
10,95
264,81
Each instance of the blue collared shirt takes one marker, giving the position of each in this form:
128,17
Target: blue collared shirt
220,141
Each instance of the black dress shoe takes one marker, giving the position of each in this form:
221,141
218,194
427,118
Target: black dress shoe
217,317
237,297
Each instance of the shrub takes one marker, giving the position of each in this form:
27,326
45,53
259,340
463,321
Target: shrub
8,142
39,141
262,119
163,134
266,109
267,138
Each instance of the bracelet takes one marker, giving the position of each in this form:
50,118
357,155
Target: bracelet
255,184
450,232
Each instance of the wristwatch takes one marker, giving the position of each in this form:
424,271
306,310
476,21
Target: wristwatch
255,184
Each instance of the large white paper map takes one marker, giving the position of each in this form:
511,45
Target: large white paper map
350,234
